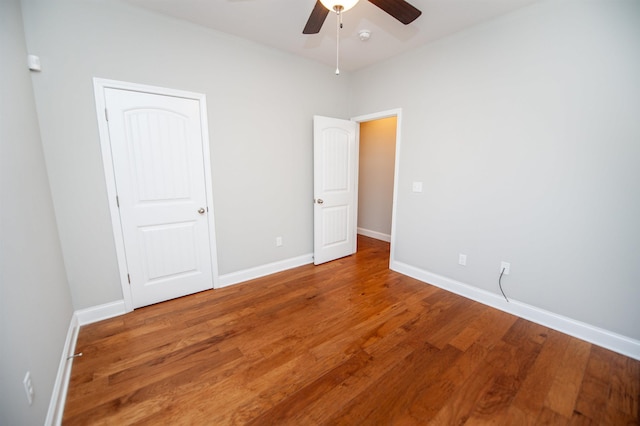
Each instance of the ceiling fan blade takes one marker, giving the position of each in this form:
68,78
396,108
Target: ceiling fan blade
316,19
399,9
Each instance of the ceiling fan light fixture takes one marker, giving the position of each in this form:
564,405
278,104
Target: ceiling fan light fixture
335,5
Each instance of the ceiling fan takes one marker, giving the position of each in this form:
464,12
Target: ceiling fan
399,9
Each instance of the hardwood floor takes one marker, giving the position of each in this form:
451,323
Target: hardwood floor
346,343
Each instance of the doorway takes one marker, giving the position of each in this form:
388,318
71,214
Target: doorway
375,177
336,163
379,149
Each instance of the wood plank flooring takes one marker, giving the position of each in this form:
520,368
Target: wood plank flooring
345,343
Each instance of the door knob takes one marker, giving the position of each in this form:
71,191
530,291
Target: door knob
201,210
320,201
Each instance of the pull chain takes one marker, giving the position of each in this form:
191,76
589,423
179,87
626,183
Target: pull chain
338,10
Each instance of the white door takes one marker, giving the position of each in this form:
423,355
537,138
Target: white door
158,163
335,154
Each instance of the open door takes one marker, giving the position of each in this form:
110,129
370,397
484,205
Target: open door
335,153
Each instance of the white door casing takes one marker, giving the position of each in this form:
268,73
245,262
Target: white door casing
335,146
163,219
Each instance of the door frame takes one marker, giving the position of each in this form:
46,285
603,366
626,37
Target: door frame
99,86
396,112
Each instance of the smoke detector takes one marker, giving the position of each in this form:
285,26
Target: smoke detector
364,35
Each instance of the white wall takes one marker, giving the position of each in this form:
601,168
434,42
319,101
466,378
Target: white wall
526,134
35,303
375,174
261,102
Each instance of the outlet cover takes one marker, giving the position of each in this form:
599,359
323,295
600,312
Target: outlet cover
28,387
505,266
462,259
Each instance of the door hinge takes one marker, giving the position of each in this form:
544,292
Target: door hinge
129,278
106,115
117,201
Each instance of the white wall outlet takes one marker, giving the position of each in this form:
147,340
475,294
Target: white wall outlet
28,387
505,266
416,187
462,259
278,241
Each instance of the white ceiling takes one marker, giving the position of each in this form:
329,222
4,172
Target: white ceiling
279,24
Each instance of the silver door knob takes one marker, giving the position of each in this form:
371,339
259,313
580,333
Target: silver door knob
320,201
201,210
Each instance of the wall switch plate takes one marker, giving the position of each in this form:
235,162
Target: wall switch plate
278,241
505,266
28,387
416,187
462,259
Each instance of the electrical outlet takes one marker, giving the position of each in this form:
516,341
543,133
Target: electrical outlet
278,241
28,387
505,266
462,259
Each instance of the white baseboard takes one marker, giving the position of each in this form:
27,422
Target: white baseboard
598,336
101,312
61,385
374,234
261,271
